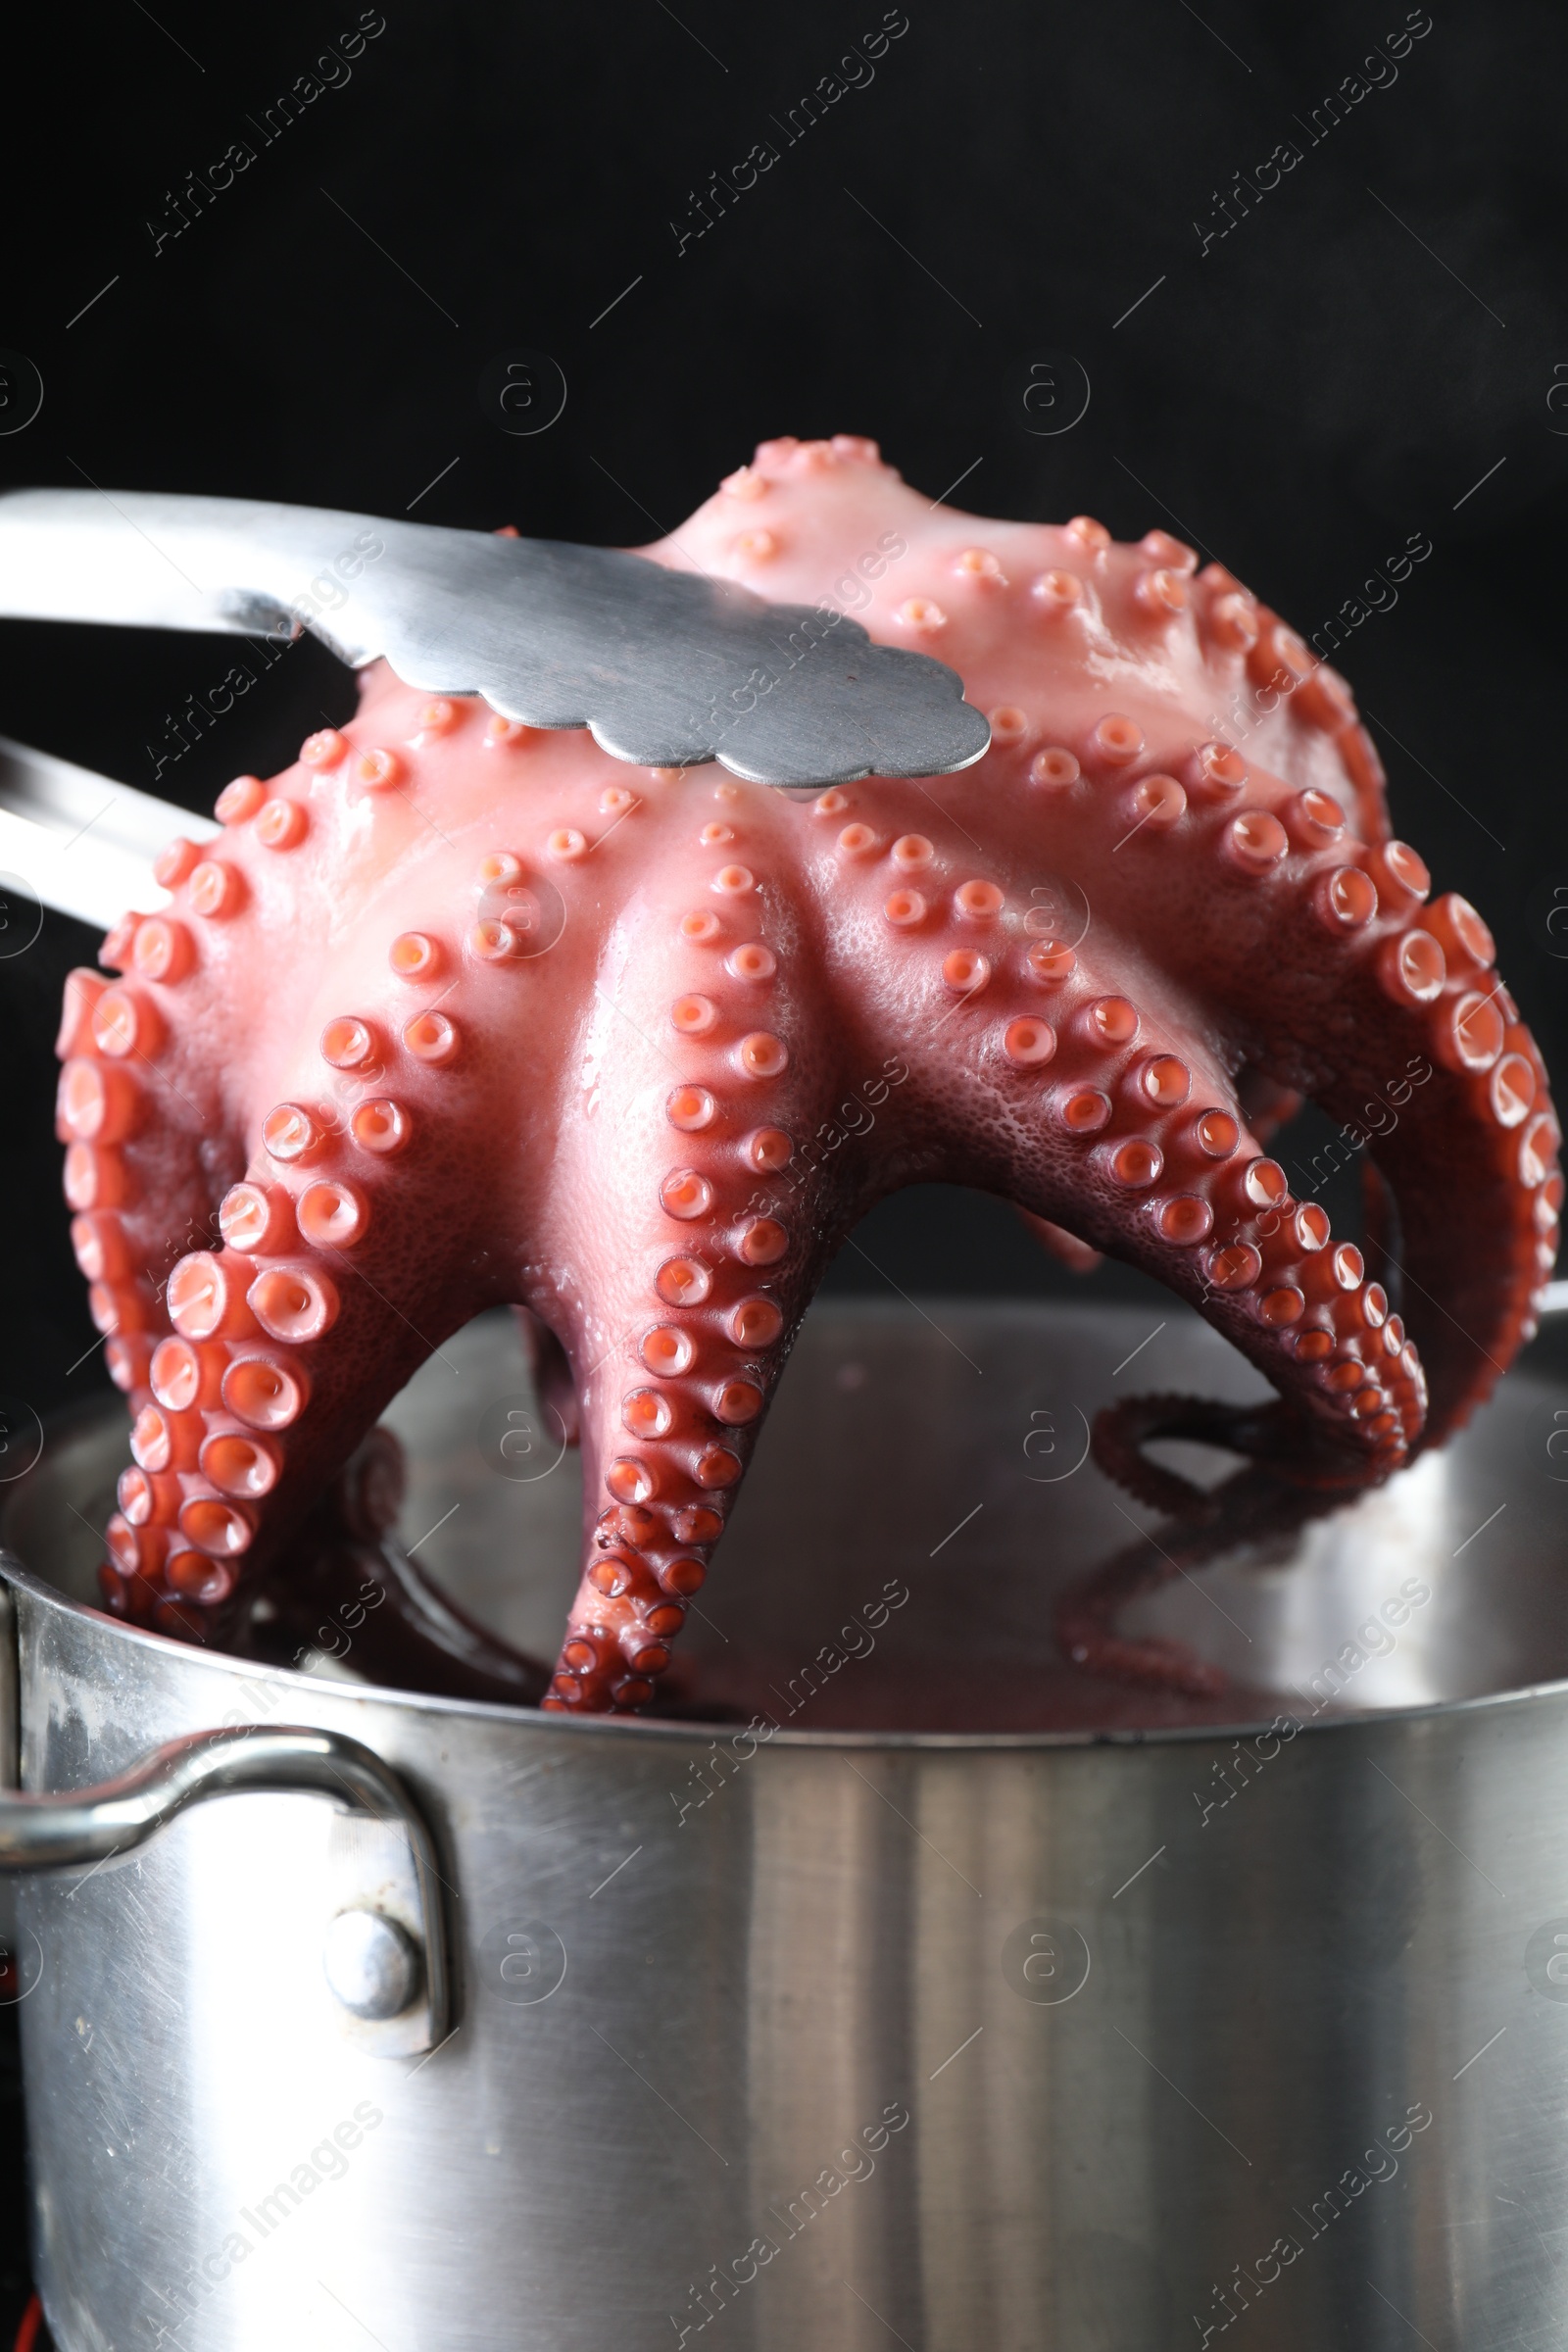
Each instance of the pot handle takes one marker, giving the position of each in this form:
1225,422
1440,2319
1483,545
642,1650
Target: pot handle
89,1825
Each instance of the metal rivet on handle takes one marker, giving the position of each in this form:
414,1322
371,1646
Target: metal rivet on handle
370,1964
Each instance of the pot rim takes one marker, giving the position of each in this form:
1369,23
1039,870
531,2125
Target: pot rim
13,1571
14,1574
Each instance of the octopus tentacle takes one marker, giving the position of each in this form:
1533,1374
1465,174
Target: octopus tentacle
138,1175
1251,1509
256,1362
283,1348
1336,988
675,1358
1095,1119
1407,1035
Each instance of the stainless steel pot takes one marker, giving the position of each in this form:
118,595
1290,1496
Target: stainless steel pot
774,2034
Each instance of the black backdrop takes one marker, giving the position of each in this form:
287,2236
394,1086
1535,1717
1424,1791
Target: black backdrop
1307,272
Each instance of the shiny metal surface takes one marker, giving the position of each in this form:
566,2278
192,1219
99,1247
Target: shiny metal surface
40,1833
85,845
665,667
371,1965
783,2037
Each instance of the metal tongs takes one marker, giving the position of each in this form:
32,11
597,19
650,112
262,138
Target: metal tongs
665,668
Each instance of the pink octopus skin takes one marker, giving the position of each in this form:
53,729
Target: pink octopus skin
357,1011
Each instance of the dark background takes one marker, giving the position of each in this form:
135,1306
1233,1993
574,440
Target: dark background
1379,336
1338,371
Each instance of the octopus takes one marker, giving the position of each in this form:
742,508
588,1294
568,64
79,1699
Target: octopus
456,1014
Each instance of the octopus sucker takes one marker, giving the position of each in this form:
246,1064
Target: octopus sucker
457,1013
